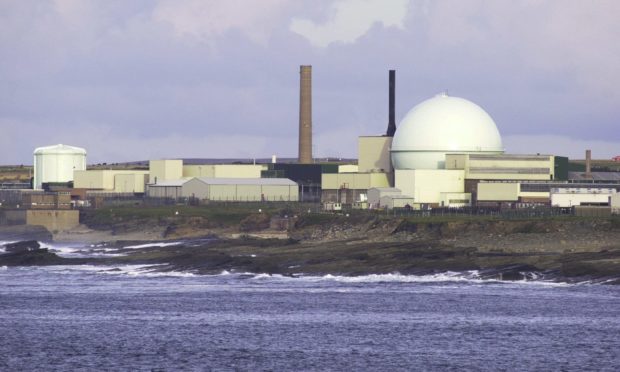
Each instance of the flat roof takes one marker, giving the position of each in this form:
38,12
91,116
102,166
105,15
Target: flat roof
247,181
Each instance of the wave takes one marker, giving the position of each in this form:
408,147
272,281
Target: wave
155,244
121,270
445,277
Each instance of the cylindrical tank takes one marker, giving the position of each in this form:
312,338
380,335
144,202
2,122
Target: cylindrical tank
56,164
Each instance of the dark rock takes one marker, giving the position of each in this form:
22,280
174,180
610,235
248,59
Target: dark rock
23,246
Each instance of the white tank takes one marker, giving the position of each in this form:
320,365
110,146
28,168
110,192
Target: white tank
56,163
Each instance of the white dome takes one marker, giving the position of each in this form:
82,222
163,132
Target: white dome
439,126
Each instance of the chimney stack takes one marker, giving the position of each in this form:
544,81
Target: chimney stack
391,129
305,115
588,164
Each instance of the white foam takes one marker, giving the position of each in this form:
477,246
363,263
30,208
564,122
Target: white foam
158,244
4,267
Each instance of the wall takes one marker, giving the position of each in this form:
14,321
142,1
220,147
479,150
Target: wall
426,185
568,199
498,191
162,170
503,167
111,180
374,154
455,199
164,191
358,181
390,202
224,170
615,203
53,220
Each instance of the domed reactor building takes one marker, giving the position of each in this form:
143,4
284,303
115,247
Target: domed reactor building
443,125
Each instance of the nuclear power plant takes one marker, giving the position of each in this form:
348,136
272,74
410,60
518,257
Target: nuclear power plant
445,152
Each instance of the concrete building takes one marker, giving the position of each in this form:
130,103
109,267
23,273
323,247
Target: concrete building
427,185
164,170
118,181
503,166
348,188
511,192
52,219
348,168
397,201
376,193
55,164
241,189
570,197
374,154
224,170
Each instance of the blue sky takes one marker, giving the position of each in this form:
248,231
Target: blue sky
133,80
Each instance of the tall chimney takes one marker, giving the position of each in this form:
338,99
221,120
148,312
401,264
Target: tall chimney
588,164
305,115
391,129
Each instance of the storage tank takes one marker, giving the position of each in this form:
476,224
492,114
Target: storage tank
56,164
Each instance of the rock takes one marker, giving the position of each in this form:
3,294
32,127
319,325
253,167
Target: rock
23,246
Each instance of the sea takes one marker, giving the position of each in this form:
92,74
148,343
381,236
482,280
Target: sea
136,318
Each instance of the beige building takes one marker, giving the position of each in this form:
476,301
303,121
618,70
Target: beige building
374,154
427,185
615,203
121,181
348,168
224,170
508,192
163,170
503,166
241,189
348,188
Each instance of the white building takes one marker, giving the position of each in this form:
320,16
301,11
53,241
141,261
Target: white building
56,164
570,197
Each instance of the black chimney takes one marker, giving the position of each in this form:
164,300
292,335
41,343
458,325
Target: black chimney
392,123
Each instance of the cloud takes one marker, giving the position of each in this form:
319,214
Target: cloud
351,19
209,19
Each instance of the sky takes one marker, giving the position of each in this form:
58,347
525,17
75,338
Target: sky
153,79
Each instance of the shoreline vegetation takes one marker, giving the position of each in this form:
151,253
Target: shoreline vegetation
280,240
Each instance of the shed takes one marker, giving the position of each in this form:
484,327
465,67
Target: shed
376,193
242,189
167,189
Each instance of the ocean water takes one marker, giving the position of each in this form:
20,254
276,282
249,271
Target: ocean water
68,318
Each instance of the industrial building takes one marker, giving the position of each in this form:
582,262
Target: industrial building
227,189
55,164
376,193
570,197
117,181
224,170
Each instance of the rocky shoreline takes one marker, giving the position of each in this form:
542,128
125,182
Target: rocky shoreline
566,250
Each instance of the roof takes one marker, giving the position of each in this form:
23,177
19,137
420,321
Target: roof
247,181
397,197
596,176
59,149
385,189
170,183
